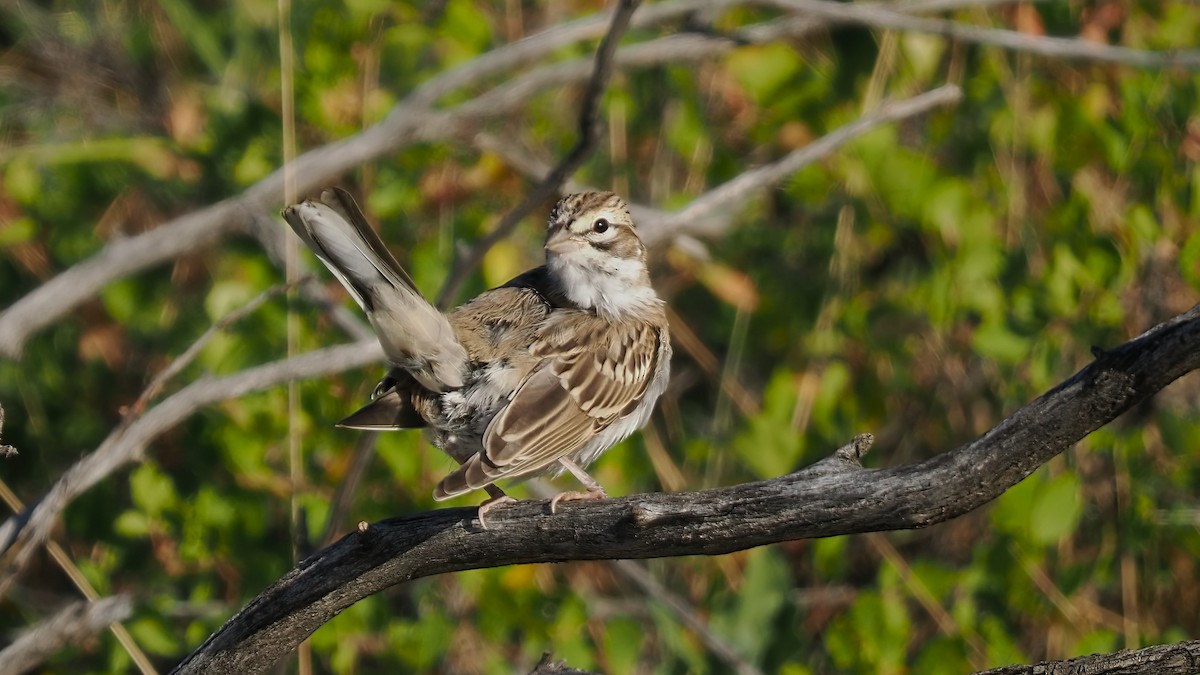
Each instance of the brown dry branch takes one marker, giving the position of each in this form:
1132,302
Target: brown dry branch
835,496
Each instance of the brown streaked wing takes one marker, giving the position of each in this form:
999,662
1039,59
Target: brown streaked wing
537,427
541,425
610,377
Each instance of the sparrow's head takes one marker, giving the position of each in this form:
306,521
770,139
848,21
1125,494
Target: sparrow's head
595,255
599,221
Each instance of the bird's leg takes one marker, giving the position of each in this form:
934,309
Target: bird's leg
594,490
496,496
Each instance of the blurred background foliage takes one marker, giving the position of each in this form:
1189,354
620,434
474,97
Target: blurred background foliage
921,284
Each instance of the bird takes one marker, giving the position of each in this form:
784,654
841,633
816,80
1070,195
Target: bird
539,375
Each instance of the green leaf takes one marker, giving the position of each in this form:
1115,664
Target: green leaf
1014,508
1056,509
995,340
132,524
152,635
770,447
758,604
763,69
152,490
22,181
17,231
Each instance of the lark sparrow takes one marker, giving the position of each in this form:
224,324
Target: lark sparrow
541,374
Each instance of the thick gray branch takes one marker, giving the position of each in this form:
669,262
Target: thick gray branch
833,497
1181,658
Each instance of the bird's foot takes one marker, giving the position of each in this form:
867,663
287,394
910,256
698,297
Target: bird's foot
596,492
489,504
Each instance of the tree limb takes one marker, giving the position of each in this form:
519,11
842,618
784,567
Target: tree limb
21,533
835,496
1181,658
876,16
75,623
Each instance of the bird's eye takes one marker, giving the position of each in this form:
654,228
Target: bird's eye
600,226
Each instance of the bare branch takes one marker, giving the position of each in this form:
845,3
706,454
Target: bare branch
21,533
1181,658
183,360
339,504
833,497
877,16
712,213
75,623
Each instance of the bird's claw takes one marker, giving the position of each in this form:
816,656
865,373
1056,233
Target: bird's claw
591,493
490,504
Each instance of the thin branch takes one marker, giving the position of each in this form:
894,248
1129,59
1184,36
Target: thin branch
835,496
589,137
75,623
712,213
877,16
60,557
183,360
1181,658
687,614
706,212
364,450
20,534
539,45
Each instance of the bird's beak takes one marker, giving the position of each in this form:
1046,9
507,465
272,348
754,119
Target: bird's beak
562,241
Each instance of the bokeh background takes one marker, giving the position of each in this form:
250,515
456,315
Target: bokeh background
920,283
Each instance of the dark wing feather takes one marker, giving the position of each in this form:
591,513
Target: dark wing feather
399,402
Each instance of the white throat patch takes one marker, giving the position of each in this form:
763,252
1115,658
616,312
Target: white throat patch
613,287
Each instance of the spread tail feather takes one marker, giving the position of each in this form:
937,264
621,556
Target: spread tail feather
413,333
